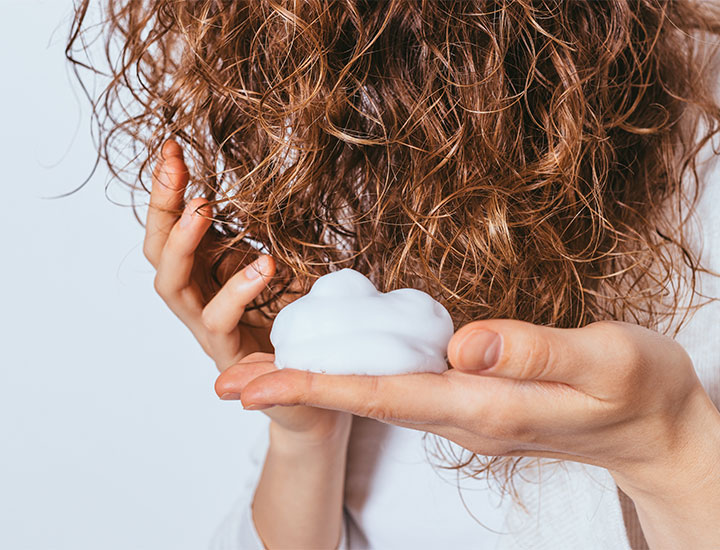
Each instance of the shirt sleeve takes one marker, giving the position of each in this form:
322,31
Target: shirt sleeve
237,530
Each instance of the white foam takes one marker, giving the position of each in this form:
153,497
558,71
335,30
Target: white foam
345,326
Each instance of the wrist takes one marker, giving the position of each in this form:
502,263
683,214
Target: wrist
328,438
677,497
686,463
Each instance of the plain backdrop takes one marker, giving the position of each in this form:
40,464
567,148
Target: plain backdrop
111,436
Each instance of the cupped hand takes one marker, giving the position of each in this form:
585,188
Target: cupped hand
171,245
610,394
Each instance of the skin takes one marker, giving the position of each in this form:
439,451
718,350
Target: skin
298,500
610,394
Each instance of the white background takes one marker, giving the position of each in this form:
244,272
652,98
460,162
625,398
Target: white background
111,436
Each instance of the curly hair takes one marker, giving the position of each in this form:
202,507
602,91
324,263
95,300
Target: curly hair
530,159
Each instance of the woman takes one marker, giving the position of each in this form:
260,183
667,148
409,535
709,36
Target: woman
532,165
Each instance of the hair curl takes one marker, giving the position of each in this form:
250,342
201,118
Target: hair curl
532,160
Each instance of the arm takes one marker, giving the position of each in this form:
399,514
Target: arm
299,498
610,394
298,502
678,500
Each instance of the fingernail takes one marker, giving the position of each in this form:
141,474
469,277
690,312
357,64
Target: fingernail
230,396
186,217
480,349
257,268
256,407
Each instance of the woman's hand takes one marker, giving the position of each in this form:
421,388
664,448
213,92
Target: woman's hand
298,499
304,422
171,243
610,394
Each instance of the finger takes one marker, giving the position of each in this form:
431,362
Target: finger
415,398
166,199
519,350
293,418
173,280
223,313
229,386
468,409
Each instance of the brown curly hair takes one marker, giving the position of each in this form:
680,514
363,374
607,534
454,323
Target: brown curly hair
530,159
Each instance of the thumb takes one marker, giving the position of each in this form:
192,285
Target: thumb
520,350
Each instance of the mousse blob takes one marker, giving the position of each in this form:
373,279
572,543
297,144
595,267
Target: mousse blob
345,326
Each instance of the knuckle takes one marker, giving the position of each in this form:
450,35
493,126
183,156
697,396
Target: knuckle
209,320
626,368
535,357
148,252
174,166
616,334
257,357
374,411
374,407
165,170
164,288
307,395
160,286
628,357
630,353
